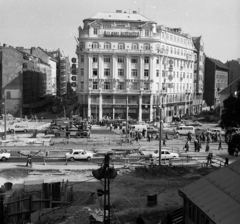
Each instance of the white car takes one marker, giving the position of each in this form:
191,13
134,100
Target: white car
4,156
79,154
165,154
19,127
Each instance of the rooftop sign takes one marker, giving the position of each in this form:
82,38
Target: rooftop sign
121,34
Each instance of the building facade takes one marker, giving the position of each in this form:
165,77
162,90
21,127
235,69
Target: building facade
216,79
199,66
127,59
234,70
11,69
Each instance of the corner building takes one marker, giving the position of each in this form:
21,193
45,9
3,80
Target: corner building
127,56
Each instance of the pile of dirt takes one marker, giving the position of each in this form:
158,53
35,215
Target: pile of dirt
13,173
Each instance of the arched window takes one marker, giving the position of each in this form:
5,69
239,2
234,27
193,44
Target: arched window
175,51
95,45
146,47
82,45
134,46
163,47
181,52
163,35
184,53
121,46
167,48
171,50
107,45
178,52
157,47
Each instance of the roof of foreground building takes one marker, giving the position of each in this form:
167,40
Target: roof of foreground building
120,16
217,194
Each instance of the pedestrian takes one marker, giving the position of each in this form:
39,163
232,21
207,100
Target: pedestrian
195,144
157,137
220,145
66,160
226,161
207,148
209,158
164,142
111,127
137,139
187,146
199,146
148,137
166,136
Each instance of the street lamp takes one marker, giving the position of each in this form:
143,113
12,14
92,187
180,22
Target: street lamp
5,117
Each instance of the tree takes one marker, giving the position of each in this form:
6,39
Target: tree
230,120
230,114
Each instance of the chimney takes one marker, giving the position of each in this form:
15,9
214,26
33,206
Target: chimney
118,11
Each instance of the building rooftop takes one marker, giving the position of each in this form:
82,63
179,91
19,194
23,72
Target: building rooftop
218,63
217,194
119,16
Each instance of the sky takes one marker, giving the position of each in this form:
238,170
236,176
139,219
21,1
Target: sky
53,24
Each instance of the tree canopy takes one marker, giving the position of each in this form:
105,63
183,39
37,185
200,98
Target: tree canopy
231,112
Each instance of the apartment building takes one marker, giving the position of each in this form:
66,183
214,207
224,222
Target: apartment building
127,59
199,65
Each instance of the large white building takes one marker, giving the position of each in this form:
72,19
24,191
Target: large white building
125,55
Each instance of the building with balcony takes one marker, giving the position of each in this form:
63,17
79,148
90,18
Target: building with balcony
216,79
63,69
127,56
198,74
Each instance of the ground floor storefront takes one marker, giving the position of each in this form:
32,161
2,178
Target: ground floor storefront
140,108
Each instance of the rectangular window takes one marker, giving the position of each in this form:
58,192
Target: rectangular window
106,71
95,72
95,58
134,60
82,71
120,72
82,58
120,59
134,72
146,60
157,60
147,33
106,85
157,84
120,85
95,85
107,59
157,73
82,85
145,86
95,30
146,72
134,86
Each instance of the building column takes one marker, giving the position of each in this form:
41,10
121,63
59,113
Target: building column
100,66
151,107
151,68
100,107
89,105
113,109
140,109
114,67
128,67
141,67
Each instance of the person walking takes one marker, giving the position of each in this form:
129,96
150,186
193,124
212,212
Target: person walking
220,145
209,158
187,146
195,145
164,142
137,139
207,148
148,137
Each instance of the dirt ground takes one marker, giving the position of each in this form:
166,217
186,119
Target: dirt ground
130,190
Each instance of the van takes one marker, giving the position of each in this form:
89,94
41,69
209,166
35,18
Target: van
184,130
139,127
20,127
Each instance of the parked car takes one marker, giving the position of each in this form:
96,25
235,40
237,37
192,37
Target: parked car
19,127
4,156
79,154
215,130
184,130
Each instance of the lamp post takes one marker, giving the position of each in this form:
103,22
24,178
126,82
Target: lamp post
5,118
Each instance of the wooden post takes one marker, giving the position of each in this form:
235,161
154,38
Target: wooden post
30,207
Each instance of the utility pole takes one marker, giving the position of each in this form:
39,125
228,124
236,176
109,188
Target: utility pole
160,131
5,118
127,116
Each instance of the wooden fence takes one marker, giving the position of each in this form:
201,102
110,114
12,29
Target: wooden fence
18,210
